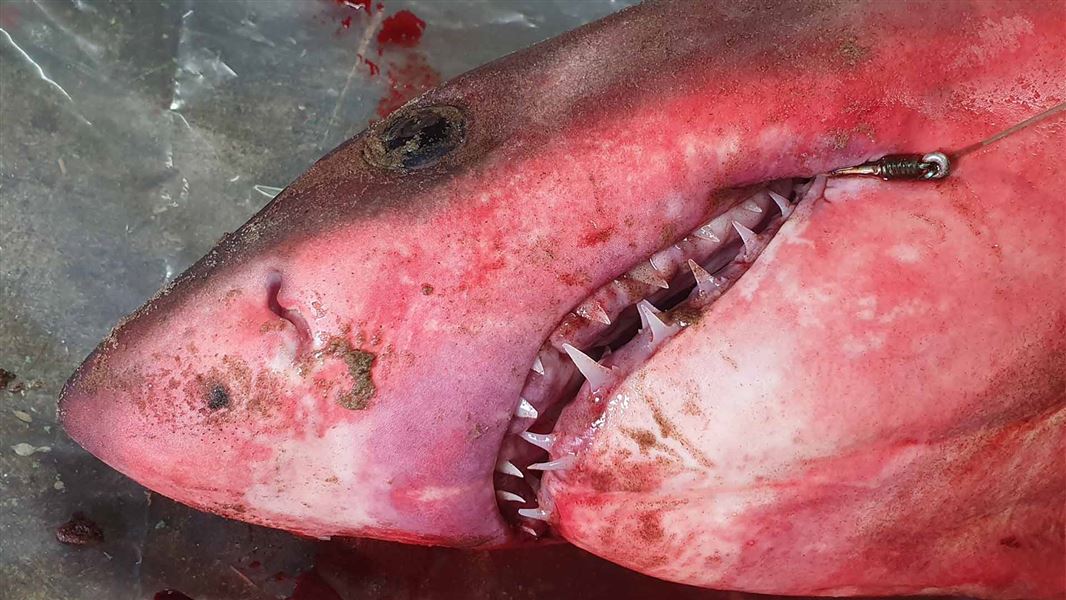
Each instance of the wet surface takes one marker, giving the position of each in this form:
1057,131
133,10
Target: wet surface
132,137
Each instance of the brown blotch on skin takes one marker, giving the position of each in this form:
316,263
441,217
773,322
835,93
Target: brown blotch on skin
272,325
644,438
359,364
427,289
668,430
691,408
852,52
650,529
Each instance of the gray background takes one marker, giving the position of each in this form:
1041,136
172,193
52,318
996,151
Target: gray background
132,135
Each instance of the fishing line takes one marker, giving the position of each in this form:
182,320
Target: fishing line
935,165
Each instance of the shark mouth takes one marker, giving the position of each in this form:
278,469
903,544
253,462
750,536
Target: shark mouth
622,324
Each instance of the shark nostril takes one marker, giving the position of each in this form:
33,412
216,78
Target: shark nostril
291,315
218,397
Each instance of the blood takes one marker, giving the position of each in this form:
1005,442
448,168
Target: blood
374,68
408,77
408,73
402,29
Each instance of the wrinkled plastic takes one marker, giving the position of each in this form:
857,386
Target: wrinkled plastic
133,135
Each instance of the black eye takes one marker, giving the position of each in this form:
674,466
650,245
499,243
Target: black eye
415,138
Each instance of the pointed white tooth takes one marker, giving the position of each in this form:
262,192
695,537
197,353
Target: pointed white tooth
593,311
642,307
534,513
649,315
706,233
782,203
555,465
647,273
525,410
509,496
596,373
750,205
538,365
529,530
507,468
543,441
704,280
745,234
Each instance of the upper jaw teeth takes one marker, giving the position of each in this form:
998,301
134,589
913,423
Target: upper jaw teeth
525,410
713,269
596,374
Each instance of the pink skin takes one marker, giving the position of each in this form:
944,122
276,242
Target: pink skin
876,407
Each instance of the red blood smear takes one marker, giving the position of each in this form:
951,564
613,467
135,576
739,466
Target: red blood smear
402,29
170,595
255,564
374,68
346,22
407,79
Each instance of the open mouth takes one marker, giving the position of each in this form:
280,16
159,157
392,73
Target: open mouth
622,324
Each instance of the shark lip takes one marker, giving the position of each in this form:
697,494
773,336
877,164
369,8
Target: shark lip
621,325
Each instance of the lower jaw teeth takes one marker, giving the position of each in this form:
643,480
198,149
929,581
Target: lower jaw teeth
707,262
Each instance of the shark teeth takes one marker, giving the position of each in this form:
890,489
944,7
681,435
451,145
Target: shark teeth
509,496
593,311
647,273
705,282
507,468
604,321
544,441
534,513
559,464
596,374
782,203
525,410
649,318
750,205
747,235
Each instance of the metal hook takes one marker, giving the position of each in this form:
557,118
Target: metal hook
937,165
934,165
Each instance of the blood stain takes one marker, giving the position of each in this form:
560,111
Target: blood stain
402,29
408,78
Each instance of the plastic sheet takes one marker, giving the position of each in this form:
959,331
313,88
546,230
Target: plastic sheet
132,136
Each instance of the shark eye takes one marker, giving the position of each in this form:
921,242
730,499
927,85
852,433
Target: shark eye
416,138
